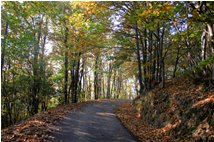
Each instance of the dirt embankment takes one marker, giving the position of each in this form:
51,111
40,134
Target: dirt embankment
182,111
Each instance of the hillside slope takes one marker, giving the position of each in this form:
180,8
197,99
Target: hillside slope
182,111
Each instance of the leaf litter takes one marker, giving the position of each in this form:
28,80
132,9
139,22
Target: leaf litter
38,127
182,111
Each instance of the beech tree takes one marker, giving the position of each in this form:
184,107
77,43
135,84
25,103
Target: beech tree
67,52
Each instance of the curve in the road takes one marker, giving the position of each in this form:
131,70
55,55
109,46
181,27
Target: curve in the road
93,123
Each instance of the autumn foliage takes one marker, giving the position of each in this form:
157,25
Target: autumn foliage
67,52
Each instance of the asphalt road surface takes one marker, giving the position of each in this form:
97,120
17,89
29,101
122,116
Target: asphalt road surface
93,123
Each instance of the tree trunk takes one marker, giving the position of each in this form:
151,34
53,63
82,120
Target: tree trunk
150,61
76,80
138,60
66,65
162,59
96,78
81,80
3,47
144,49
35,87
176,61
109,82
113,84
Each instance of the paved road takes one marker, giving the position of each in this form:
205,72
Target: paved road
93,123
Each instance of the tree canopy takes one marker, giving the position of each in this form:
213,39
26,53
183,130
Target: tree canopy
63,52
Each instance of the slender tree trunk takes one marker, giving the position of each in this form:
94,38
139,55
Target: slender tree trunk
96,78
3,79
35,87
76,81
154,67
71,86
176,61
189,53
162,59
3,47
103,86
85,82
160,55
150,60
43,66
120,85
109,81
113,84
163,74
89,87
144,46
203,46
66,65
138,59
42,57
81,80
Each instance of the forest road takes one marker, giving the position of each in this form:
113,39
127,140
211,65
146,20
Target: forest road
95,122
